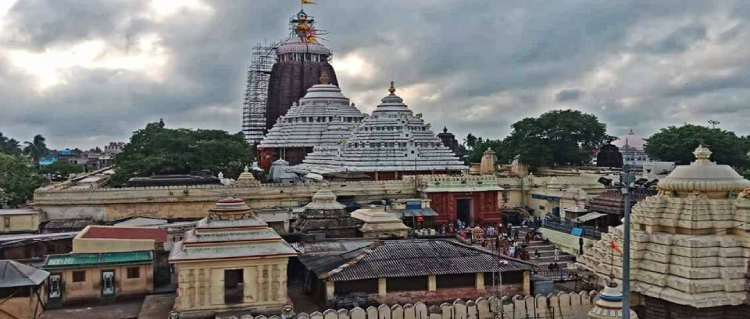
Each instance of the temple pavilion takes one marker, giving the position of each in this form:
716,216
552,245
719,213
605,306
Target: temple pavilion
324,215
391,143
231,261
690,245
323,115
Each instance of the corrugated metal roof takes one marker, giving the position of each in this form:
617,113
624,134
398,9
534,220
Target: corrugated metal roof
88,260
14,274
406,258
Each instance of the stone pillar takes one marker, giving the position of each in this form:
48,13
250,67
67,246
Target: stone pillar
432,283
382,287
480,281
330,291
527,282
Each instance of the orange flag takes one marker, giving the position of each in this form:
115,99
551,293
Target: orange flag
614,246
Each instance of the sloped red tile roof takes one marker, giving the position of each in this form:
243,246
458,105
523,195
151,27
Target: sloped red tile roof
159,235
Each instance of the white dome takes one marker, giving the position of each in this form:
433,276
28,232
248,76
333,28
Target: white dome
295,45
630,140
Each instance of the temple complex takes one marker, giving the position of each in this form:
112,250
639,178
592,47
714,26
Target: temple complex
690,244
327,216
631,147
323,116
232,260
391,143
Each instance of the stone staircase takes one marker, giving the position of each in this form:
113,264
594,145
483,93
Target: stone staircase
547,256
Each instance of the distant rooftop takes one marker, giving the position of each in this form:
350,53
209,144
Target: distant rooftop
111,232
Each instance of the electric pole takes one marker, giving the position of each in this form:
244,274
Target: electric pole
626,181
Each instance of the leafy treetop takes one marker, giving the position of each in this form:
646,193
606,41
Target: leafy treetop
159,150
676,144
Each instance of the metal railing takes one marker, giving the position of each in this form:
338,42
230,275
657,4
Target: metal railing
567,227
562,274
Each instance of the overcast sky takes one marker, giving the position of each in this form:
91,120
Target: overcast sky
86,72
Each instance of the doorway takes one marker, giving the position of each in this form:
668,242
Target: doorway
463,211
233,286
108,283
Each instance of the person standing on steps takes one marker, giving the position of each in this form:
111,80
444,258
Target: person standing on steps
580,245
557,255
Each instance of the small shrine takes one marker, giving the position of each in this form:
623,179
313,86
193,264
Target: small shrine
246,179
379,223
232,260
325,215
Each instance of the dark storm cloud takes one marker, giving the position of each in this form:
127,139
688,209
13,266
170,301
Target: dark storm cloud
568,95
476,66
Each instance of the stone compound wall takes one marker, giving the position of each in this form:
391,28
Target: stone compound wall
559,306
193,201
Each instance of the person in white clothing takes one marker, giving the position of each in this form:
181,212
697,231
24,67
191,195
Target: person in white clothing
557,255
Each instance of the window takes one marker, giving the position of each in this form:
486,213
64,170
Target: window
407,284
456,281
134,272
79,276
6,221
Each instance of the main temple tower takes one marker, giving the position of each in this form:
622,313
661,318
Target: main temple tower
300,62
281,73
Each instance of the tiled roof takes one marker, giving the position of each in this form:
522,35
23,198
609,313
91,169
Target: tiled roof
406,258
90,260
105,232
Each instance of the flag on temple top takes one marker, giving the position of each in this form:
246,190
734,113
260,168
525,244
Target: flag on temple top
307,2
614,246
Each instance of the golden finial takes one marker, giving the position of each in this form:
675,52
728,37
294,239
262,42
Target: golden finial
324,78
392,89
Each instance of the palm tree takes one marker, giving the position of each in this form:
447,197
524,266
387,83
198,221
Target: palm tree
9,145
37,148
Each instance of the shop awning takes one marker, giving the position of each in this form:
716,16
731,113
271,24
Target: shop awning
589,216
422,212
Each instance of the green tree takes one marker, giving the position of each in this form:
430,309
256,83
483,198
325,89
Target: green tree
470,141
556,138
676,144
159,150
9,145
18,178
480,146
37,148
63,168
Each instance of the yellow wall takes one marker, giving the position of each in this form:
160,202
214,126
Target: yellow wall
201,284
91,288
19,223
98,245
22,307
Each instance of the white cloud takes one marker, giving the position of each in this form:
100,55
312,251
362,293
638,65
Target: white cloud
50,66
